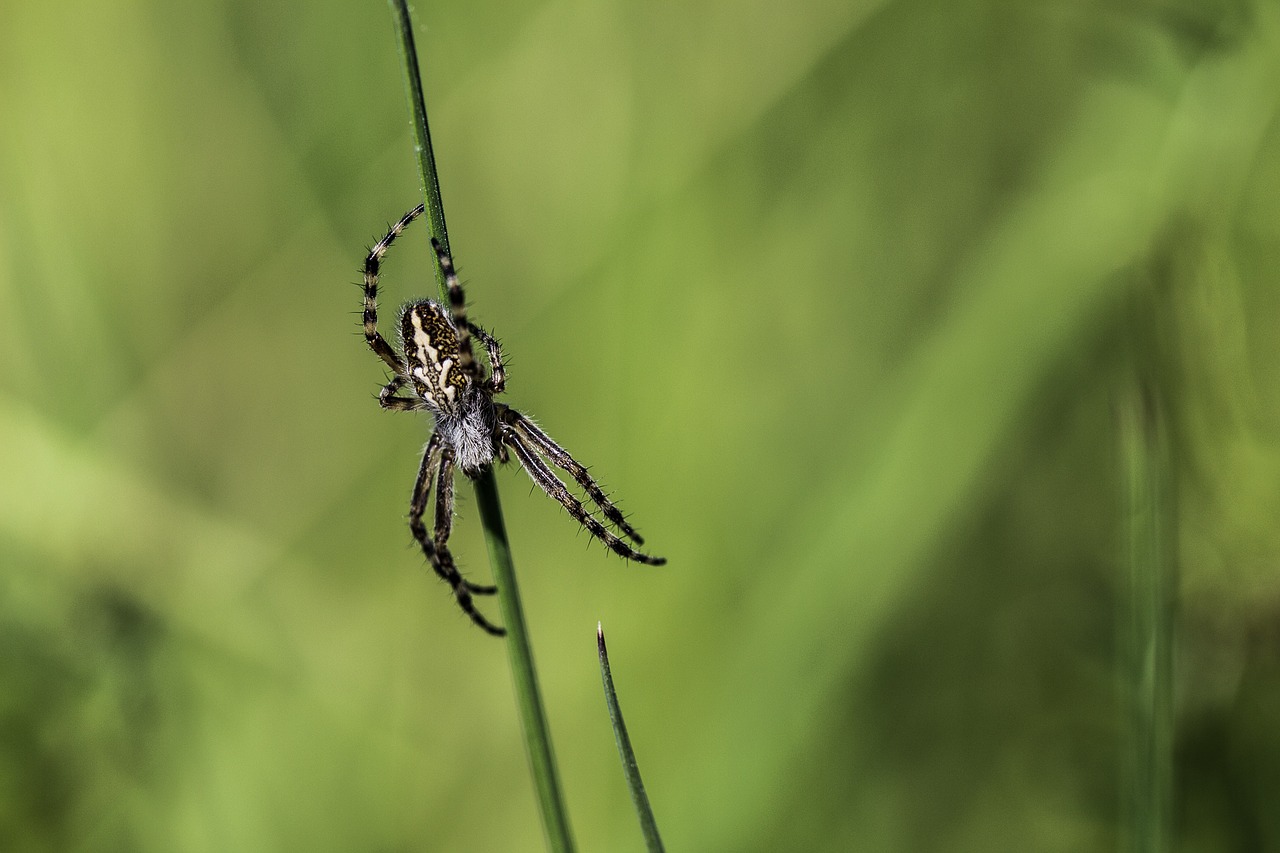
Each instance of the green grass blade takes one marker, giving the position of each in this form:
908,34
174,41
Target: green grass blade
421,133
630,768
537,732
533,717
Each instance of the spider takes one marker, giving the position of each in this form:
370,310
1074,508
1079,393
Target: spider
439,372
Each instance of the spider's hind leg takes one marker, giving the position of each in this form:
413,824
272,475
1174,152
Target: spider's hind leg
372,266
433,460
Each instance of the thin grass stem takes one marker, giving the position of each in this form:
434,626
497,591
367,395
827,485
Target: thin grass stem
648,824
537,734
421,135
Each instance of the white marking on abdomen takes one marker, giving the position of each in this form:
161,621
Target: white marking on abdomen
449,390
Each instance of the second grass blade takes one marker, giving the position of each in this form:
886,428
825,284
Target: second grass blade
648,825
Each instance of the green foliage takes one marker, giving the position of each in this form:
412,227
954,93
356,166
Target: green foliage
835,295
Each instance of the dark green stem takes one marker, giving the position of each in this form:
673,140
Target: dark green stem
421,133
648,825
537,734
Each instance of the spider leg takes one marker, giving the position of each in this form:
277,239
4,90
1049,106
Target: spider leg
458,310
372,264
442,563
498,381
444,522
551,484
522,424
387,398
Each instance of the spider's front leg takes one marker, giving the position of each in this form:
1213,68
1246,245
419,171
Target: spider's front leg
528,430
387,398
457,311
551,484
372,266
433,460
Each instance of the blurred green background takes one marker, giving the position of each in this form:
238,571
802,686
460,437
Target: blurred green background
845,299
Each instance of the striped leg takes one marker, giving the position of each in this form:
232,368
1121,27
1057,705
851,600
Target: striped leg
498,381
458,310
387,398
522,424
441,562
551,484
372,265
444,522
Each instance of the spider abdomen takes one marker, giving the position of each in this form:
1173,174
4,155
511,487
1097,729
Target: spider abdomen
432,355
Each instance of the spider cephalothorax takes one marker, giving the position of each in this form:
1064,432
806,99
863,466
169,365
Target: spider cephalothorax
436,365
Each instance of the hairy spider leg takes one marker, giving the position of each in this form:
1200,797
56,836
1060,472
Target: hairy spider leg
443,565
498,379
372,264
523,424
387,398
458,311
551,484
444,520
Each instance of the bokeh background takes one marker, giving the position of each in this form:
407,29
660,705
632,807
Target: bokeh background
851,303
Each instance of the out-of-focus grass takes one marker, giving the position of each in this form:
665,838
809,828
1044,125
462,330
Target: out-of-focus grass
833,296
